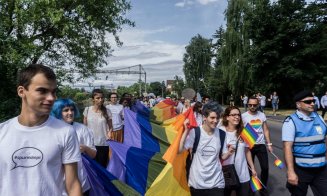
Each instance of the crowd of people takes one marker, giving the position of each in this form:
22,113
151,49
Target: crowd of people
44,143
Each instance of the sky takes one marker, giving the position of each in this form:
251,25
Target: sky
162,30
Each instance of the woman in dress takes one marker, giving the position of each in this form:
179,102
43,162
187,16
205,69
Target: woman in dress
66,110
99,119
232,124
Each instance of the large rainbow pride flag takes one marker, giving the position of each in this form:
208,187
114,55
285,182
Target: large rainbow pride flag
148,160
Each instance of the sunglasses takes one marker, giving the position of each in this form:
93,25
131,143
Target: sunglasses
234,115
309,101
113,97
252,105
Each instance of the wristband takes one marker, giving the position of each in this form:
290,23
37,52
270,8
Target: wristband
269,144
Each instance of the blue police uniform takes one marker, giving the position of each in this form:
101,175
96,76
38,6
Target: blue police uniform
308,135
309,143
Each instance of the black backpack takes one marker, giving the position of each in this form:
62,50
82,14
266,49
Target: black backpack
190,155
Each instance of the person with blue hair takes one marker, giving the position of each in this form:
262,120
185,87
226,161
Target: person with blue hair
66,110
205,172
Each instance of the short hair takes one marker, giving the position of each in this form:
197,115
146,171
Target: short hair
25,75
212,107
60,104
253,97
113,93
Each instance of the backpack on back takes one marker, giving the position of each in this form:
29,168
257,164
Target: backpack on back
190,155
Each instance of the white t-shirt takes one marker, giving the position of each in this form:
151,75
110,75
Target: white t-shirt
98,124
206,171
240,163
85,137
256,121
32,158
117,113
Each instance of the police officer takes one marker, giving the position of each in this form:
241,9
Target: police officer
303,135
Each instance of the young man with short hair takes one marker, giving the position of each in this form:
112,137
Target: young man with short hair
206,175
258,121
41,152
116,109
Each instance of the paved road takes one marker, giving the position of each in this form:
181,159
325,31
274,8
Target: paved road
277,177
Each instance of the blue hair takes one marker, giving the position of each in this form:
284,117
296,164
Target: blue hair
59,105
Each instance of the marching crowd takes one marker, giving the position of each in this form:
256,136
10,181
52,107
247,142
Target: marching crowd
42,146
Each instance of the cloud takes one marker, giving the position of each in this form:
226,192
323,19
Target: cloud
189,2
161,60
184,3
205,2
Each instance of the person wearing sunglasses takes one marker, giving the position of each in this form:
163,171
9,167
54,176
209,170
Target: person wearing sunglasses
258,121
303,136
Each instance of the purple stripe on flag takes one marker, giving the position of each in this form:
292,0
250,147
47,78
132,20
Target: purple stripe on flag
132,130
117,161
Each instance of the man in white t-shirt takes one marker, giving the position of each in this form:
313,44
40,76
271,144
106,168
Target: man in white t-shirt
206,176
258,121
40,150
116,109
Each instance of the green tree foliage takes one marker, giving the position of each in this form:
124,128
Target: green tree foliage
273,46
197,62
233,54
217,83
156,88
293,55
56,33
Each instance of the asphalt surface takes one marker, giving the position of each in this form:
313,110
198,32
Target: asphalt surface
277,177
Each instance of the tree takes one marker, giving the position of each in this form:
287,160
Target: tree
156,88
62,34
237,44
197,62
289,46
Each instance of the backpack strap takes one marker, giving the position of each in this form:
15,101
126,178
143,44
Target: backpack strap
222,136
196,139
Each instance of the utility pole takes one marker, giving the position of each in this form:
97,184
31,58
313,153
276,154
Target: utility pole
140,72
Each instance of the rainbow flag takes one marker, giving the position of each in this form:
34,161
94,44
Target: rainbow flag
255,184
102,182
249,135
162,111
279,163
140,161
172,180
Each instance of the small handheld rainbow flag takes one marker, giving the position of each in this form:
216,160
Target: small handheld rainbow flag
279,163
255,184
249,135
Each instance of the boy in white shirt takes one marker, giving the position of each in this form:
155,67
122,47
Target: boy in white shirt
40,150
